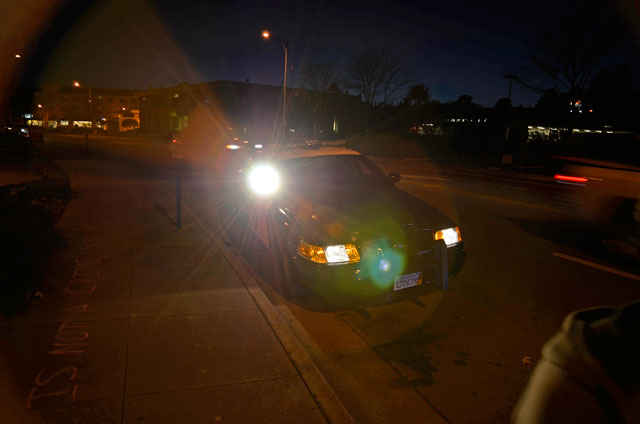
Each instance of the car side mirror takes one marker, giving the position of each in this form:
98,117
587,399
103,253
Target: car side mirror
394,177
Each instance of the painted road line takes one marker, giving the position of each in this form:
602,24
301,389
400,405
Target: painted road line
469,180
598,266
440,186
497,185
428,177
457,181
468,174
486,197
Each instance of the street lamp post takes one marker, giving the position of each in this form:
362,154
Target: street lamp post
43,114
508,158
267,35
77,84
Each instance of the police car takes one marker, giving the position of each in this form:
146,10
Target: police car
337,225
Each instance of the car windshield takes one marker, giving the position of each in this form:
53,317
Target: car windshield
343,169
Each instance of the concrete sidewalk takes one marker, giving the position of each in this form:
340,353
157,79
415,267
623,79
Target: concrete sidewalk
20,170
145,322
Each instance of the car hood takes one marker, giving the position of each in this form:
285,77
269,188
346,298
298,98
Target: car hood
357,213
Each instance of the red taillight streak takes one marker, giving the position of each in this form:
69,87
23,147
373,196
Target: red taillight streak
570,179
174,141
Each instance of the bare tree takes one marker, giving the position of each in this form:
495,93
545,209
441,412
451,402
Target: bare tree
378,76
319,78
569,51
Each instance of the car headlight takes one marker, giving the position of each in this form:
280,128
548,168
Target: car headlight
334,254
450,236
263,180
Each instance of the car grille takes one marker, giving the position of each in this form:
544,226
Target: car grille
414,242
420,240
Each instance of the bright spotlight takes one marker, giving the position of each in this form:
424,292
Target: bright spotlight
263,180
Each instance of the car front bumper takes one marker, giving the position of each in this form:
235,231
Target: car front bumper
363,281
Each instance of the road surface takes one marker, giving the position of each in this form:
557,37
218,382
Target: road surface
460,356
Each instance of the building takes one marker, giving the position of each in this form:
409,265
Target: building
213,108
249,110
112,110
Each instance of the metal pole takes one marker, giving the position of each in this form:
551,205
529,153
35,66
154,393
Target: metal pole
91,109
443,268
284,87
178,200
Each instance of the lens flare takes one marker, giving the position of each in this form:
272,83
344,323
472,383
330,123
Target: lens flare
383,263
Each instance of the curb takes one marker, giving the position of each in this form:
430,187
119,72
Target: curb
330,405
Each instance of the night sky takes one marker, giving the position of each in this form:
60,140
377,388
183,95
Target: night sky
456,47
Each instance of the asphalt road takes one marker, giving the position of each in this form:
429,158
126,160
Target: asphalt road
460,356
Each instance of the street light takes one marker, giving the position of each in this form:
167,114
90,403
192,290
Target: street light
77,84
267,35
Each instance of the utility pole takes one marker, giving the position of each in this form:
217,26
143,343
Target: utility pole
511,78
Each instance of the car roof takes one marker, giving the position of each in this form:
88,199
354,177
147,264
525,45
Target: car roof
293,153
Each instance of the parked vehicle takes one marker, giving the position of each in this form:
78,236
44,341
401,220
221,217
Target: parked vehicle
335,223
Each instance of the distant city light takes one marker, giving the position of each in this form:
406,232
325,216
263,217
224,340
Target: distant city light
18,56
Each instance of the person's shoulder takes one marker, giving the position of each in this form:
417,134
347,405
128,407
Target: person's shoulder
614,340
589,371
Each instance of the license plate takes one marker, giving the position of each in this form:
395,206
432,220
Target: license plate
407,280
